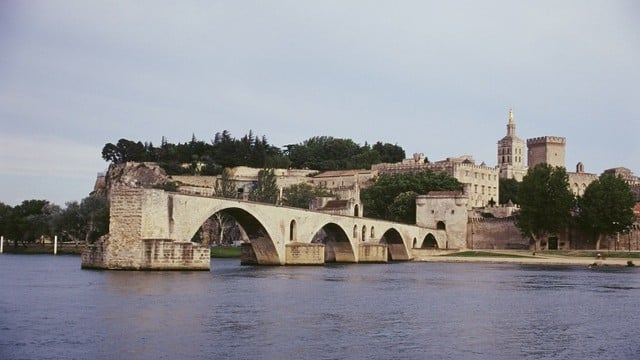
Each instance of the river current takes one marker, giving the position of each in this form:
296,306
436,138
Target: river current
51,309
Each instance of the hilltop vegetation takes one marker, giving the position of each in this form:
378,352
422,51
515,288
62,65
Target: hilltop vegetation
320,153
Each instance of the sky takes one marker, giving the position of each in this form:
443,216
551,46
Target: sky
434,77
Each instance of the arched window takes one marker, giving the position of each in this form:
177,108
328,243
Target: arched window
356,210
441,225
292,231
373,233
355,231
364,233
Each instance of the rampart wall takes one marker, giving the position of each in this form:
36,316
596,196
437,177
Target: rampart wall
495,234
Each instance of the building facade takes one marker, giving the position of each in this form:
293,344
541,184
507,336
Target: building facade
546,150
480,182
511,153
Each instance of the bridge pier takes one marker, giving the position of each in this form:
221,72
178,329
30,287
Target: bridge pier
372,253
304,254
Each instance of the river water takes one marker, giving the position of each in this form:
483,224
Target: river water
51,309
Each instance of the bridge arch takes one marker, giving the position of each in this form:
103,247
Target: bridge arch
395,244
429,242
337,246
252,230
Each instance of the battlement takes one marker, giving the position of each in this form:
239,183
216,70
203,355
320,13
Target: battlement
546,140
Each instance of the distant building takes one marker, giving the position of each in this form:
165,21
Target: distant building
511,153
480,181
579,180
546,150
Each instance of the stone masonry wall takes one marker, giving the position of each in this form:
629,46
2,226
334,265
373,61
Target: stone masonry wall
136,215
495,234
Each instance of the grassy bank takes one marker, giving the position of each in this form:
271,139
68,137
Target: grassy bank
43,249
485,254
225,252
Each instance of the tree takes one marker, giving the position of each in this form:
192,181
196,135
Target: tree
606,208
5,218
85,221
266,189
126,150
225,187
508,190
403,207
299,195
389,153
31,220
379,200
545,202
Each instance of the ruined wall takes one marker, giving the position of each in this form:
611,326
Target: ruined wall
137,238
495,234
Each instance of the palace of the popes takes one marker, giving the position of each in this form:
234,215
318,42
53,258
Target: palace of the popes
152,228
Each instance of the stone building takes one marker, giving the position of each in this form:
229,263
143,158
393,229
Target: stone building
480,181
444,210
625,174
511,153
345,184
579,180
546,150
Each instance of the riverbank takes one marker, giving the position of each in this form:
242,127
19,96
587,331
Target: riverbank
33,249
565,258
550,258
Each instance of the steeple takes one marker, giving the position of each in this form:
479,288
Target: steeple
511,126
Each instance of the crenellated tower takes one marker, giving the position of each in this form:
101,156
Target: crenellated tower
511,153
546,150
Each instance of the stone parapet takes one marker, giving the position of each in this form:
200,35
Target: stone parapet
547,140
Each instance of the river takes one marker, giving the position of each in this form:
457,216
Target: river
51,309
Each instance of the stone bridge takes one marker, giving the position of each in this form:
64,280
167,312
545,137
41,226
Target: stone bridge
151,229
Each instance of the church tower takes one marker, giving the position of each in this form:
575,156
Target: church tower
511,153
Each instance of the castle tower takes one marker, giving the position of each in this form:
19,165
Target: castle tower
546,150
511,153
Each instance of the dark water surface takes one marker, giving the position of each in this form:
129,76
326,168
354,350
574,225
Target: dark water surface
51,309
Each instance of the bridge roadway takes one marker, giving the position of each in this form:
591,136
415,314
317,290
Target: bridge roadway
151,229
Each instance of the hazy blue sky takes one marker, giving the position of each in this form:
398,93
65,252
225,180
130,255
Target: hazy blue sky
436,77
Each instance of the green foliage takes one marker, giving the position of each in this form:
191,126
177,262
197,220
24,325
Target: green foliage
225,187
265,190
29,221
392,195
328,153
205,158
127,150
606,207
403,207
224,151
226,252
85,221
6,213
545,201
299,195
509,189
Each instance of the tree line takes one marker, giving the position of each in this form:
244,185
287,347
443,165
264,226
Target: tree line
547,206
35,220
320,153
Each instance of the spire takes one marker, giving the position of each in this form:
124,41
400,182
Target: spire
511,126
